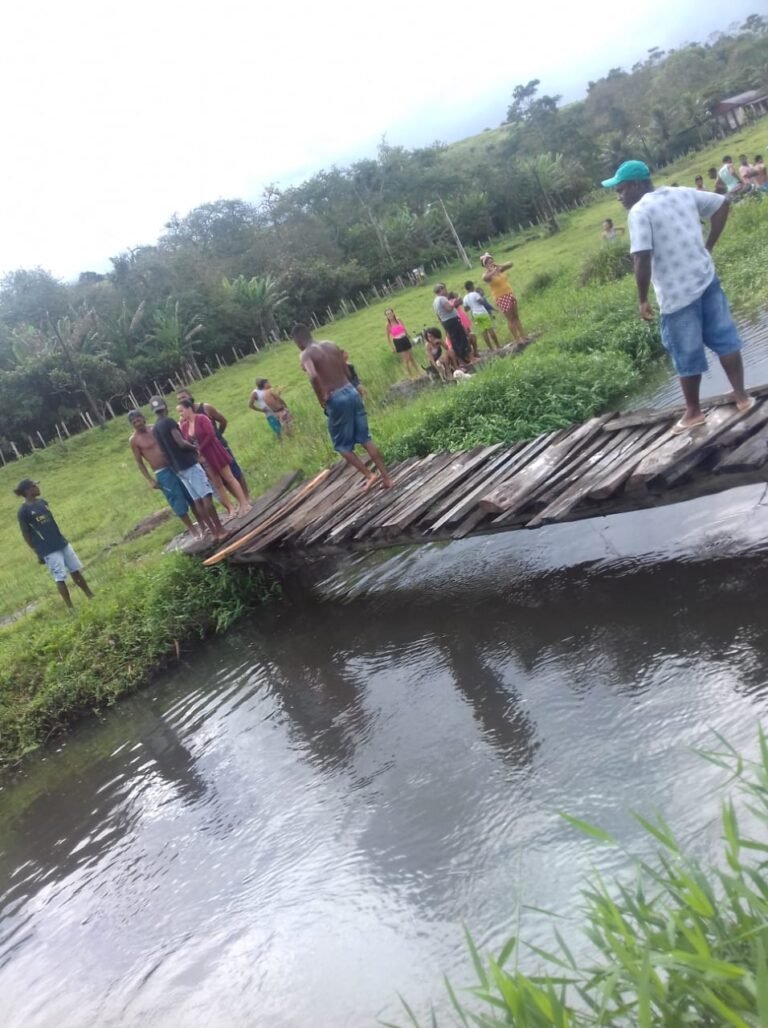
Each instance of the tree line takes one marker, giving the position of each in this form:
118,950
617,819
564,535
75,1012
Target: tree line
234,273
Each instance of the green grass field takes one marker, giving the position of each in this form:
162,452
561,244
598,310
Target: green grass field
97,494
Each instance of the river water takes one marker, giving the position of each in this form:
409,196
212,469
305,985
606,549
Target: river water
293,826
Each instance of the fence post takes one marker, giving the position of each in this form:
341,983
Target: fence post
15,449
207,366
42,441
66,430
218,361
58,433
109,408
2,456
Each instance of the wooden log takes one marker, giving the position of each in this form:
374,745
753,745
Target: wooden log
293,500
392,502
751,455
684,449
575,466
508,497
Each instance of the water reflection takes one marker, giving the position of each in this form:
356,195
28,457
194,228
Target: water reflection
334,788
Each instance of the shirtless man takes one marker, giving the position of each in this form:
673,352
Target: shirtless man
324,363
219,426
146,451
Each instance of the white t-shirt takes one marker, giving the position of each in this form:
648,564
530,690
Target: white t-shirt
667,221
474,301
443,308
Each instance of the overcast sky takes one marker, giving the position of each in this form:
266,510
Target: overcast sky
115,116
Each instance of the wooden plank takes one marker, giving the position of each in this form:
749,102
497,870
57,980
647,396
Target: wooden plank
463,501
456,471
293,500
508,497
261,505
454,495
749,423
653,415
693,459
575,466
674,448
375,503
406,501
322,499
639,444
325,522
751,455
556,503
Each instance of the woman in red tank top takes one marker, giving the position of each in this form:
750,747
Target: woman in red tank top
199,429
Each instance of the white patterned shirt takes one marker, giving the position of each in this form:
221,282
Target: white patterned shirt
667,221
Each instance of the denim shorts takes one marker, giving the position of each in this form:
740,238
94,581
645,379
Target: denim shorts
62,562
347,420
705,322
195,482
173,491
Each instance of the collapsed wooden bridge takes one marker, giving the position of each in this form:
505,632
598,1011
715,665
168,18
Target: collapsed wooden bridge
610,464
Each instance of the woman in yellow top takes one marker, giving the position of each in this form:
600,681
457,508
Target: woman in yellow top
502,295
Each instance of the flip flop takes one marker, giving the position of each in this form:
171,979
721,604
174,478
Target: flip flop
750,402
678,428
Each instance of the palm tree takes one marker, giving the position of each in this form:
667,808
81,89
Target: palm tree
548,177
122,338
260,297
175,336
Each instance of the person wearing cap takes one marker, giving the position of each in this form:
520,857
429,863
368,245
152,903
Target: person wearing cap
219,423
446,311
502,295
153,465
182,457
668,249
41,533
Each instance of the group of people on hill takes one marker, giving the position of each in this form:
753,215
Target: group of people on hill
736,181
451,345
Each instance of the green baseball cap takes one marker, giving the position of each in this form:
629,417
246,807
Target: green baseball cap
629,171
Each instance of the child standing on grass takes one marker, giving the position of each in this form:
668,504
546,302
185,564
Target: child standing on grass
41,533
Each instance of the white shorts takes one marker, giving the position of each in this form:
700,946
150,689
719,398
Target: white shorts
196,482
62,562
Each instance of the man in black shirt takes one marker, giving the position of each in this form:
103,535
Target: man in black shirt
42,534
183,458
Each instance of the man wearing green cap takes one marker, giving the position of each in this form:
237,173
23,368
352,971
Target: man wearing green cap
668,249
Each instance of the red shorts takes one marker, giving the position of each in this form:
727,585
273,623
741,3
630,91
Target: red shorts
507,303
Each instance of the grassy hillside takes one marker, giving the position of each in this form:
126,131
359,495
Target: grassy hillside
97,494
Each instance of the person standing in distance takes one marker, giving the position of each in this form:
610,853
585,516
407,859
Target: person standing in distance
668,249
324,364
41,533
445,310
219,423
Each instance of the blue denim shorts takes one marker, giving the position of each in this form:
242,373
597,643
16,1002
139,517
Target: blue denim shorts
705,322
347,420
173,491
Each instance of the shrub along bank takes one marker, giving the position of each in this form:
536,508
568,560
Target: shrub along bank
72,665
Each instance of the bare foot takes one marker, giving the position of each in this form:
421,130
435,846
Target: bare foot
370,482
387,482
746,404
